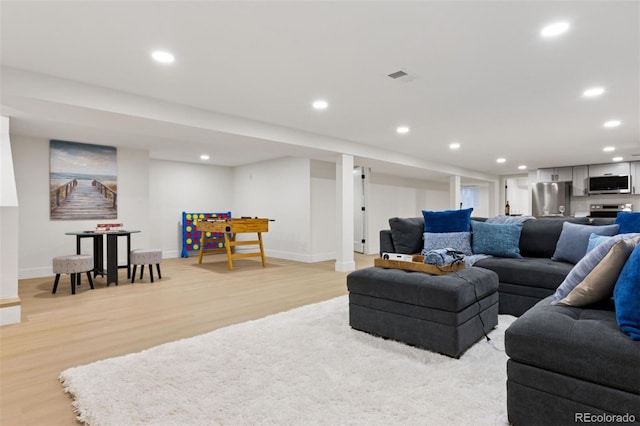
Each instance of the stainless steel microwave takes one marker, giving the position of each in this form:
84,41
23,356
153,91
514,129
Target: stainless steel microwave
610,184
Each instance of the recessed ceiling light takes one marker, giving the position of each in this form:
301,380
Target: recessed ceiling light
402,130
612,123
617,158
320,104
554,29
163,56
501,160
522,167
593,92
204,157
454,145
609,148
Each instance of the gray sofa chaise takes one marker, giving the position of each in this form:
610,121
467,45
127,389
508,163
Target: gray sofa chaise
571,365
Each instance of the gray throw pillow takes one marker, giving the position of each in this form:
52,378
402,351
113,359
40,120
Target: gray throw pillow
574,240
406,234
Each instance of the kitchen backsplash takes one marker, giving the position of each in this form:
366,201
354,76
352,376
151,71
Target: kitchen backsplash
582,204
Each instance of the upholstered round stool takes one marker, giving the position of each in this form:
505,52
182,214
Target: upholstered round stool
73,265
145,257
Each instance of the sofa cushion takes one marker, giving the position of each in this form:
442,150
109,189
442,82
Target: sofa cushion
539,237
599,283
460,241
451,292
628,222
625,295
586,265
406,234
585,343
447,220
574,240
528,271
496,239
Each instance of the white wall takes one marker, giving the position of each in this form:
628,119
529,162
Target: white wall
41,239
277,189
323,210
184,187
298,193
391,196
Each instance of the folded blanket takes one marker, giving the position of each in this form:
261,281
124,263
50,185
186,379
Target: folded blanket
442,257
470,260
509,220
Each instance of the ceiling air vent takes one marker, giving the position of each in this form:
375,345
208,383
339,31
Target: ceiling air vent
401,75
398,74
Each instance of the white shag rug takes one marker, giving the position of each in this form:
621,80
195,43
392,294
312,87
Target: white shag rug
302,367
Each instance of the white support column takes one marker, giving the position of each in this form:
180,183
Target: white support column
454,192
10,305
344,214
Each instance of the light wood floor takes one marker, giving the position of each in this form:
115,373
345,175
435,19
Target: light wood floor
63,330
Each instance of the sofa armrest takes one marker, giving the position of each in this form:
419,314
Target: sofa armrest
386,242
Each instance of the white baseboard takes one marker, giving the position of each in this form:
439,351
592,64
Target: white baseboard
10,315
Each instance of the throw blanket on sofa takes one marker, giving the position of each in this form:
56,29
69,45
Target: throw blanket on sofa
470,260
509,220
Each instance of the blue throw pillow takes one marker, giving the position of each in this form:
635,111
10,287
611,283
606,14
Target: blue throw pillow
586,265
628,222
626,296
447,220
460,241
574,239
496,239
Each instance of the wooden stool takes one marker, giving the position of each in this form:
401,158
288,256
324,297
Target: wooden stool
145,257
74,265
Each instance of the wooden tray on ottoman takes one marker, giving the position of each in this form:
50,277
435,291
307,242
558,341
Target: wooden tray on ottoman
417,265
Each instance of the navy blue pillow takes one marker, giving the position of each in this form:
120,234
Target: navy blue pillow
629,222
496,239
447,220
625,296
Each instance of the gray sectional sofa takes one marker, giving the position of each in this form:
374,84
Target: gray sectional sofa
523,282
566,365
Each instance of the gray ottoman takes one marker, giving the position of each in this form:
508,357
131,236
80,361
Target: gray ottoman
441,313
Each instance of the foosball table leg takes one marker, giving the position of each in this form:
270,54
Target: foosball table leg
264,263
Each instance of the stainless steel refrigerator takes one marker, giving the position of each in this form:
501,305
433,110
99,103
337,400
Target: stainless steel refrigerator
551,199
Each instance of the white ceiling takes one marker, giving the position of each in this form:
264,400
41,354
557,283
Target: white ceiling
482,76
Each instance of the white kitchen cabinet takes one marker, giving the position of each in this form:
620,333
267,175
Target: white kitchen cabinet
609,169
635,177
558,174
580,183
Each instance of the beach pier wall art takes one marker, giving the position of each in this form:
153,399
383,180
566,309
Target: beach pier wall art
83,181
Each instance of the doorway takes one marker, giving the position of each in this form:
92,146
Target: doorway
359,209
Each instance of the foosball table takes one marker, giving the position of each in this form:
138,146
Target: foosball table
230,227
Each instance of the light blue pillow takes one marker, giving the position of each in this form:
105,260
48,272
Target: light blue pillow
625,296
574,239
595,240
585,266
460,241
496,239
447,220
